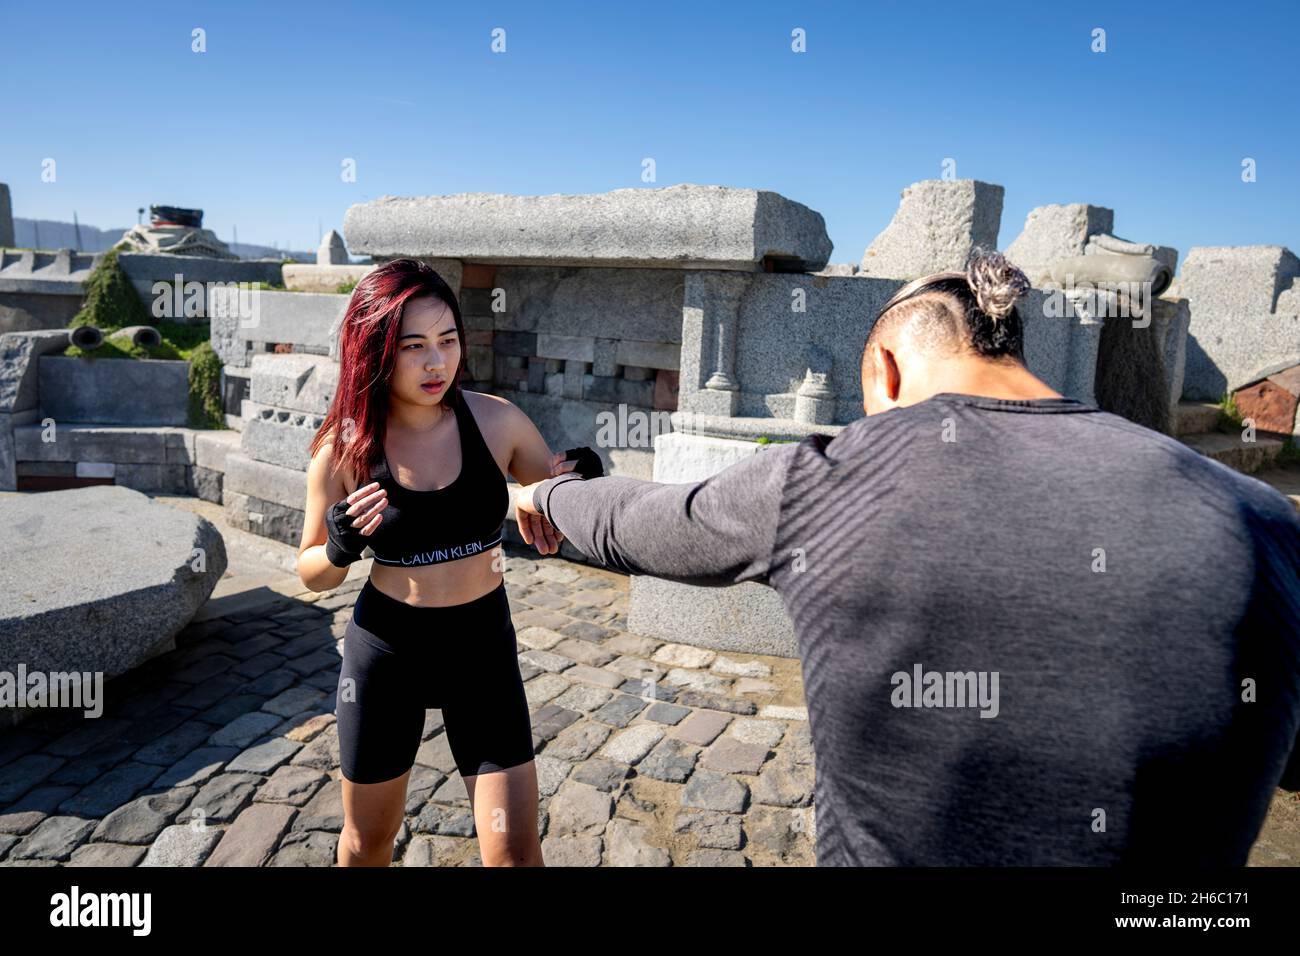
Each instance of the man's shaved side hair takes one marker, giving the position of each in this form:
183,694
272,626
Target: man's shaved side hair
951,312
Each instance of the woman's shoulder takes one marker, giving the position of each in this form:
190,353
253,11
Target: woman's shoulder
491,409
327,467
497,417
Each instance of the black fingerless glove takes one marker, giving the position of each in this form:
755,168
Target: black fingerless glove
344,543
589,463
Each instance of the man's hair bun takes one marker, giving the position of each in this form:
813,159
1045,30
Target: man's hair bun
995,283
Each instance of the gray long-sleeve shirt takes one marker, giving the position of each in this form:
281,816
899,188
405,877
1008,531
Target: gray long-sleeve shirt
1031,632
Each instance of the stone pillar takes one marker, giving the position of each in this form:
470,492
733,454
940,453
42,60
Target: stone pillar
710,322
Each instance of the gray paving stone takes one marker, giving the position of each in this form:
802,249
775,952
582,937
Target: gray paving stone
420,786
707,701
620,710
452,790
258,665
540,617
735,668
541,689
436,753
715,791
578,741
86,735
584,652
306,725
321,752
587,631
54,839
320,660
648,690
196,767
784,783
541,598
551,718
730,755
305,643
671,761
571,851
702,727
231,708
141,820
244,729
697,680
551,773
600,773
264,757
174,744
578,809
597,615
106,854
716,858
92,765
291,785
684,655
221,798
111,790
632,645
254,836
663,713
785,833
324,811
25,773
432,723
211,692
755,731
626,844
594,675
637,668
182,845
630,745
307,848
537,638
253,645
583,697
444,820
25,814
552,663
271,683
714,830
204,669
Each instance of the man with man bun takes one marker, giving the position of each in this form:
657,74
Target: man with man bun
1031,632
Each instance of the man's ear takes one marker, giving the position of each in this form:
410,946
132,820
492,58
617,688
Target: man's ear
888,381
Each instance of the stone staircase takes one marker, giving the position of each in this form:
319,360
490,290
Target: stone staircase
1194,425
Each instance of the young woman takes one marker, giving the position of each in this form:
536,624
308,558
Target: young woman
411,465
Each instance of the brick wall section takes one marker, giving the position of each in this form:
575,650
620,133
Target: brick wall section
585,367
476,284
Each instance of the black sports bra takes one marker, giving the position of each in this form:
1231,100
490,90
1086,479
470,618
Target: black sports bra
463,519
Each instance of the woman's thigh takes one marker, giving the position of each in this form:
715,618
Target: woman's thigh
379,709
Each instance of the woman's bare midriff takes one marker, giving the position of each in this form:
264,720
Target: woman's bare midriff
455,582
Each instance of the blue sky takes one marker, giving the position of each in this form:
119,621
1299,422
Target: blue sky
254,130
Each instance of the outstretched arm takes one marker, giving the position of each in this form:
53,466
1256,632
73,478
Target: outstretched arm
532,461
718,531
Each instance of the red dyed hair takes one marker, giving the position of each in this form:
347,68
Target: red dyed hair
358,416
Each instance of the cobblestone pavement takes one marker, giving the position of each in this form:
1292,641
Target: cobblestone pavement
225,750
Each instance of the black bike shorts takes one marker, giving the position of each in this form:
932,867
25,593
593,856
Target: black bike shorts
400,659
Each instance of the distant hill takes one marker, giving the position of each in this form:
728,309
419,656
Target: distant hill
48,234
